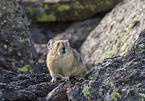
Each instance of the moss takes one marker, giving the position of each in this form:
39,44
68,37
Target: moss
19,53
62,8
29,10
114,95
24,69
86,91
46,17
5,46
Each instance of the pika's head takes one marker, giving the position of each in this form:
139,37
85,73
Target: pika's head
59,46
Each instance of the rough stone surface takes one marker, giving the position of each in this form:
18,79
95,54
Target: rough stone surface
22,87
116,33
17,52
117,78
62,10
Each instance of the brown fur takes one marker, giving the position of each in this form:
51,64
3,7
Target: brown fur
64,61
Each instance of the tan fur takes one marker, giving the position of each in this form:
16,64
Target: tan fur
64,61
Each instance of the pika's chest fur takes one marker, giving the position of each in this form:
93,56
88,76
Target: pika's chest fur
63,60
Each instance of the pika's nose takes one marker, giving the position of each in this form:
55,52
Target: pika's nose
63,50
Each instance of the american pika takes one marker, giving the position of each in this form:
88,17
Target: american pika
64,61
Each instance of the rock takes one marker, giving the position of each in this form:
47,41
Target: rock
117,78
78,32
59,93
17,52
24,87
116,33
65,10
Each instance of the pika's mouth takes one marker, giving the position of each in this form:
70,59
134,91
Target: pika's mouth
63,50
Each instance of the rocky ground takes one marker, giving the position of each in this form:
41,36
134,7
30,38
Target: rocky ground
113,45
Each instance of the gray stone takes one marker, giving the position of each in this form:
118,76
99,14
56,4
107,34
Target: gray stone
17,52
116,33
65,10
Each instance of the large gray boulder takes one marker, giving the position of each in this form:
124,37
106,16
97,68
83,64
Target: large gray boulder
65,10
17,52
116,33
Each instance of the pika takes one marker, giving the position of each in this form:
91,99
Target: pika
64,61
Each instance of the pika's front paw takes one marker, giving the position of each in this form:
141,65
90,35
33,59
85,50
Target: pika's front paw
65,79
53,81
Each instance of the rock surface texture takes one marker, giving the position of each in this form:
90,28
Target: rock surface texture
116,78
16,49
65,10
116,33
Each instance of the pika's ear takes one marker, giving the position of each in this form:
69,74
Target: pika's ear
49,44
68,43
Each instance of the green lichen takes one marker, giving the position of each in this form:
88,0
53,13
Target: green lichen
41,5
5,46
92,7
13,26
78,5
139,97
32,61
29,10
22,61
19,53
76,13
5,21
86,91
142,95
10,50
46,17
114,95
2,23
108,2
31,71
113,50
46,7
12,63
24,69
141,45
124,47
62,8
21,40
